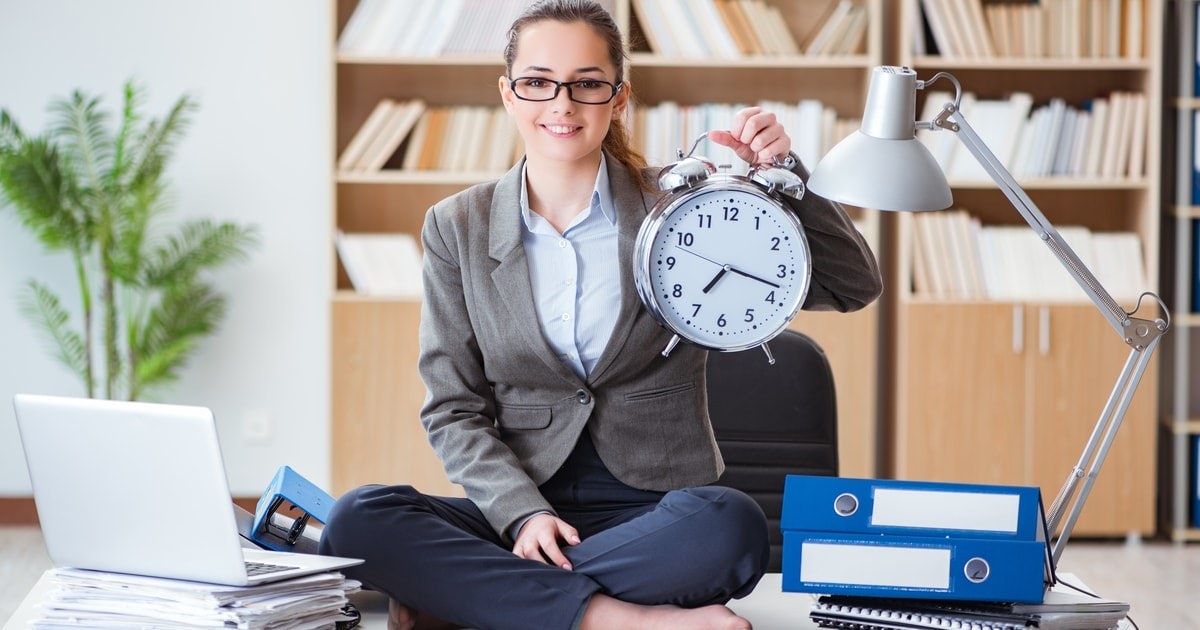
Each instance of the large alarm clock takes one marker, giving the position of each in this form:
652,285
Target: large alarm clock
722,261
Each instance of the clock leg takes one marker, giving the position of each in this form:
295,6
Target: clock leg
770,357
670,345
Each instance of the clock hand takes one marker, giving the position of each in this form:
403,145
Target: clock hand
751,276
711,283
701,257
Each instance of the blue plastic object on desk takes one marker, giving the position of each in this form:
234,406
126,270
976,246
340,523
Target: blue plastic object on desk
307,502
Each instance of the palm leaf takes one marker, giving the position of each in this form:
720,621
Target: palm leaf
42,307
86,142
126,133
197,246
45,196
154,147
10,132
169,334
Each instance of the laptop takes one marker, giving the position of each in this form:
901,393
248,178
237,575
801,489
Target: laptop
133,487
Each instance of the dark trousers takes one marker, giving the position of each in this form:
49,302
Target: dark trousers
689,547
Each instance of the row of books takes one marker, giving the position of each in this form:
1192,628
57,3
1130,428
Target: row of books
462,138
1106,138
412,136
713,28
956,257
663,129
421,28
381,264
724,29
98,599
1051,28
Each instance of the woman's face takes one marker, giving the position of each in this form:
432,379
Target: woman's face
560,129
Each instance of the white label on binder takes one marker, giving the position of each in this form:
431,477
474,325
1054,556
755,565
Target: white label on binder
875,565
937,509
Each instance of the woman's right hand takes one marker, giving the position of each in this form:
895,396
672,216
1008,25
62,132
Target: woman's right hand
538,540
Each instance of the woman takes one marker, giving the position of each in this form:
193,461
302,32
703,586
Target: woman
584,453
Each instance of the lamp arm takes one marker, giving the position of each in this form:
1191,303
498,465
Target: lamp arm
1140,334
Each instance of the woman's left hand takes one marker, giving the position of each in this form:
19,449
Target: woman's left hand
756,136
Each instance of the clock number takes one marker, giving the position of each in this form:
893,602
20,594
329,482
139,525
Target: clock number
782,272
770,297
757,222
697,311
731,214
677,290
749,315
670,262
705,220
721,320
774,243
686,239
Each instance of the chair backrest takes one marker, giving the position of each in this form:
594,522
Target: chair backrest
773,420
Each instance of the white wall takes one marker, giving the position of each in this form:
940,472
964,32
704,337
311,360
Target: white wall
259,151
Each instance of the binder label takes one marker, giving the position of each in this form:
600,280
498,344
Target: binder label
935,509
875,565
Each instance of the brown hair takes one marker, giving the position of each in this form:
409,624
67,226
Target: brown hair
617,142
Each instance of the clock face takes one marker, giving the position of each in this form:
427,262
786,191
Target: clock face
724,266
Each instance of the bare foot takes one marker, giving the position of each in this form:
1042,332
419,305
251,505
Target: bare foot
401,617
604,612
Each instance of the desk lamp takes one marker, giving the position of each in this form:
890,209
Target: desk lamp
883,166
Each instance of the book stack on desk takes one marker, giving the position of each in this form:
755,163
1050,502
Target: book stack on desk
95,599
1061,610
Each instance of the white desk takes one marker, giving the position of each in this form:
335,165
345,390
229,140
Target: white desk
768,608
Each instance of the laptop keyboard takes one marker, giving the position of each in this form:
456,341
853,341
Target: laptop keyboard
261,568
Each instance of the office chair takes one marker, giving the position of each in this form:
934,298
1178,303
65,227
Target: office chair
773,420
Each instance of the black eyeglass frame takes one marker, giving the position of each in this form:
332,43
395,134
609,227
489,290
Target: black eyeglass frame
558,85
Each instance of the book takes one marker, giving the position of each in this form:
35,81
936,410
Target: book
937,20
654,27
366,133
399,123
998,123
713,29
1195,478
817,44
739,28
382,264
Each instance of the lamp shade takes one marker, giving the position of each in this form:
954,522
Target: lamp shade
882,165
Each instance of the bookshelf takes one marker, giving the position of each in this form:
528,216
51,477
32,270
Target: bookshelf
1180,407
376,392
1050,363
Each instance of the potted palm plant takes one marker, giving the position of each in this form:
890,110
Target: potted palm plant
94,192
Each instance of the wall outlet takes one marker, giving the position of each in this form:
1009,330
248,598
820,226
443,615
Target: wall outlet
256,427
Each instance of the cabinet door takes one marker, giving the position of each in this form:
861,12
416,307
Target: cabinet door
1074,363
377,396
961,393
849,341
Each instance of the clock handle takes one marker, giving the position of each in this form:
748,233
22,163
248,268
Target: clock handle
671,345
770,357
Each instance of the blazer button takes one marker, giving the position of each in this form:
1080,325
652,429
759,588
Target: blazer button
583,397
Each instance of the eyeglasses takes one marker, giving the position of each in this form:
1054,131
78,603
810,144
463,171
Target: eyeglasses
587,91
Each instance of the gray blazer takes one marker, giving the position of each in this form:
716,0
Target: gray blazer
503,412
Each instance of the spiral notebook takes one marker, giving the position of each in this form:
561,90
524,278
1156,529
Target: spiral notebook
1062,609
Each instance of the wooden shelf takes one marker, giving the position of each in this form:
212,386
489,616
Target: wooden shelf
1027,64
1008,392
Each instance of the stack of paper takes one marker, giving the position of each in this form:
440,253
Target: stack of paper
97,599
